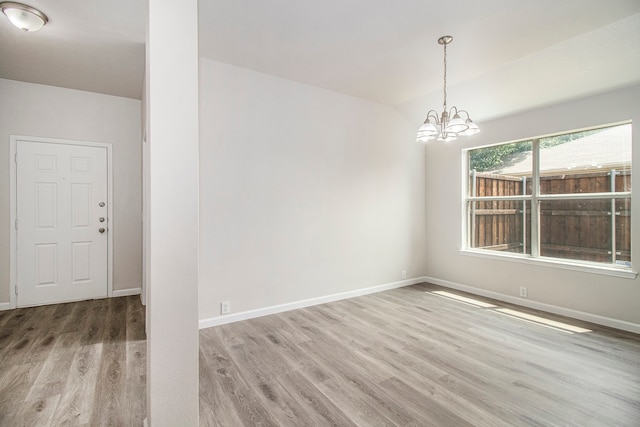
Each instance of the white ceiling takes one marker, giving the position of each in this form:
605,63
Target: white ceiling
91,45
507,55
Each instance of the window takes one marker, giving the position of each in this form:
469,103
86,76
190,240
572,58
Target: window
565,196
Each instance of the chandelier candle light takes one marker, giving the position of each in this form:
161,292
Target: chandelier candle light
450,124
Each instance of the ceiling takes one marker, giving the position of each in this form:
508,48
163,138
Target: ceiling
507,55
97,46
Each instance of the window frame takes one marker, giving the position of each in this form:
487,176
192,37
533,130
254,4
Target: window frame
535,198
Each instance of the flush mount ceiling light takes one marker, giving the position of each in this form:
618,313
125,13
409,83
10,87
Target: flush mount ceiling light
449,125
24,17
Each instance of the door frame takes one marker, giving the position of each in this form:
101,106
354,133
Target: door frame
13,206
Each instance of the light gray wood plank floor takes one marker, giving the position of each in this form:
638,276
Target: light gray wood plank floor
80,364
401,357
408,357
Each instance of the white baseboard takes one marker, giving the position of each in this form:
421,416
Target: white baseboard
250,314
562,311
126,292
5,306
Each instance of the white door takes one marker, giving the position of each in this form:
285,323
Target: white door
62,245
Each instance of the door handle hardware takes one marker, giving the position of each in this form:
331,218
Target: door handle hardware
101,219
101,230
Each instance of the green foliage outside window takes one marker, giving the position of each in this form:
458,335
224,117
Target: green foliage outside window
491,158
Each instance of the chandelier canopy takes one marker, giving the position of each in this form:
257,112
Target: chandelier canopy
449,125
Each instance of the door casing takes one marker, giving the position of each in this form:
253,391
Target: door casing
13,238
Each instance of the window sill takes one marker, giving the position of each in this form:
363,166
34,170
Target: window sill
624,272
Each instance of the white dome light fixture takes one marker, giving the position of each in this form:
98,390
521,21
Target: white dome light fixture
449,125
24,17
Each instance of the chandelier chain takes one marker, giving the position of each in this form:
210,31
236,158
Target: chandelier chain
445,77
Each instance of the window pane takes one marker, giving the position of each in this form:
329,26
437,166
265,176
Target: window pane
583,162
577,229
499,168
500,225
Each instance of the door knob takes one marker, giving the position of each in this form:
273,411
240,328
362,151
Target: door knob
101,219
101,230
101,204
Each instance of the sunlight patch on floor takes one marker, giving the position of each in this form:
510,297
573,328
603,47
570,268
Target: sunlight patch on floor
464,299
542,320
529,318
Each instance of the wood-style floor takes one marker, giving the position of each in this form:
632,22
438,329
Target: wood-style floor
399,358
408,357
76,364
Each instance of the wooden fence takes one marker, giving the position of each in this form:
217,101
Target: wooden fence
570,229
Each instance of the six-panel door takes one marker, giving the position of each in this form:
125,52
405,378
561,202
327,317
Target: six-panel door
62,223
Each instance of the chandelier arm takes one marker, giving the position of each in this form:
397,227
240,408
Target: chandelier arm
465,112
433,114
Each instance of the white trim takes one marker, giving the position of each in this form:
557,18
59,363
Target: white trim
111,223
584,267
568,196
575,314
126,292
146,243
5,306
13,205
251,314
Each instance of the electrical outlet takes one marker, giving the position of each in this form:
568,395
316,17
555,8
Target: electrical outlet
404,274
225,307
523,292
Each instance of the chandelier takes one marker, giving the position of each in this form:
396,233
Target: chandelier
449,125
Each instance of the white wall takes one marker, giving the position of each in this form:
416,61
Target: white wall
52,112
598,295
172,216
303,192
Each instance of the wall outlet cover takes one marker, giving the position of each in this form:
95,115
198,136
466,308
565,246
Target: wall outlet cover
225,307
